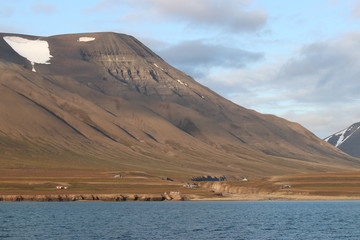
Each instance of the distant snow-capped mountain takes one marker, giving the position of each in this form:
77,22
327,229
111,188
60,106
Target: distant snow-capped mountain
347,140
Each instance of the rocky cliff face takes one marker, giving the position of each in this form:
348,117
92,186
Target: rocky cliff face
105,100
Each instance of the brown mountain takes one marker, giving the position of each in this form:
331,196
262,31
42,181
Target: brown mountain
106,101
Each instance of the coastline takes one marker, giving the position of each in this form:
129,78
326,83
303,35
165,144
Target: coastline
164,197
280,198
337,186
88,197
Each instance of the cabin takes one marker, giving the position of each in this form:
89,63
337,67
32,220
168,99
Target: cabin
174,193
191,185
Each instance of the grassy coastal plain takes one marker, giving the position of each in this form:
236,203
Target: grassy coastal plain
24,184
314,186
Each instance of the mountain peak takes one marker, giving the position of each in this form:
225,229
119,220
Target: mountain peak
348,140
107,97
100,57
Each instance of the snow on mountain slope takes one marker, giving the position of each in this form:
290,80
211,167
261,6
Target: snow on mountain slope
347,140
86,39
36,51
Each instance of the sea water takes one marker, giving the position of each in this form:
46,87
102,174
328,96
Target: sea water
181,220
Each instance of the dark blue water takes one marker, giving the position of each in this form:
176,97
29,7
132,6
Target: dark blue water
181,220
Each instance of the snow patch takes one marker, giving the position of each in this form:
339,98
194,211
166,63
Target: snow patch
179,81
342,137
86,39
36,51
158,66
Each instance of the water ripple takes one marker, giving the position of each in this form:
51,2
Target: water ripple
181,220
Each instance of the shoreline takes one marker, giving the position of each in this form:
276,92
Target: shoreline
343,186
164,197
88,197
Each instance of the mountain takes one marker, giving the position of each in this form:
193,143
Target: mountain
348,140
105,101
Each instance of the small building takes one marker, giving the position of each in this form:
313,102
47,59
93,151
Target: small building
191,185
174,193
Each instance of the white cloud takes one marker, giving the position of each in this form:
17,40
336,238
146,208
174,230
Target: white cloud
226,15
356,9
328,70
9,29
318,87
43,8
196,57
326,120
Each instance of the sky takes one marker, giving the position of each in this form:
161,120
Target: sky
299,60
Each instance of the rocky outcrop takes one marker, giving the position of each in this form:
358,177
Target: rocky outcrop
237,188
174,196
88,197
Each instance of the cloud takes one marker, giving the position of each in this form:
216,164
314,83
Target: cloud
105,5
152,43
333,2
196,57
325,71
356,10
10,29
226,15
250,87
325,121
43,8
318,86
6,12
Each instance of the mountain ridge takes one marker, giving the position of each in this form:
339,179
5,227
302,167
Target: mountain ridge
113,103
347,140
